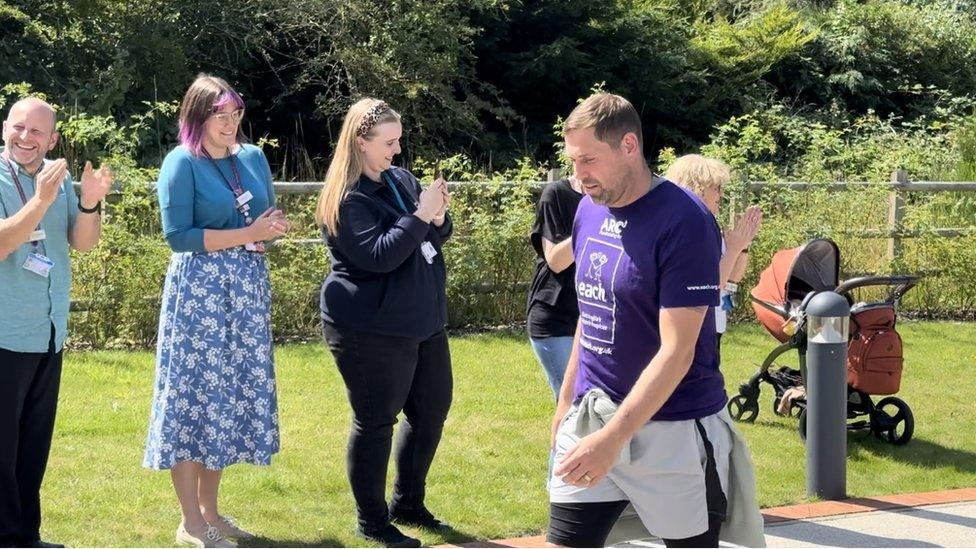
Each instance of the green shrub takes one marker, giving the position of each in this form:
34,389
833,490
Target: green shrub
490,260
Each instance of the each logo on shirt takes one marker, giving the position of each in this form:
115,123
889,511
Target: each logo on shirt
597,261
595,282
613,228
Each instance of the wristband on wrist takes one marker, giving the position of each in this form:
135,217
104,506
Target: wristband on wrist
731,287
96,209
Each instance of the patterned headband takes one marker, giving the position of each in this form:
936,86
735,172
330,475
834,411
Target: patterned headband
371,117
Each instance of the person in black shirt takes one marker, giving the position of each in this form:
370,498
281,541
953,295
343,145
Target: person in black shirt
551,309
384,309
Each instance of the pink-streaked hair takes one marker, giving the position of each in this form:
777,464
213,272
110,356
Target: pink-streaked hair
207,95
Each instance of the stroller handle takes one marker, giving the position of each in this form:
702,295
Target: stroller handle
902,283
770,306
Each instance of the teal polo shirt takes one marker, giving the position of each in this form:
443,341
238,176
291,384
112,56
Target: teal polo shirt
30,303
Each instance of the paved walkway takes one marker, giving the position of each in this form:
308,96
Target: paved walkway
929,519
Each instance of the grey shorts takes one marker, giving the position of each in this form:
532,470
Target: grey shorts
664,481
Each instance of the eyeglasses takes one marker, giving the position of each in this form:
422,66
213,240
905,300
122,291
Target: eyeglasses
227,117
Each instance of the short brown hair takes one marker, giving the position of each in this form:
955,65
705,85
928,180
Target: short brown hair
611,117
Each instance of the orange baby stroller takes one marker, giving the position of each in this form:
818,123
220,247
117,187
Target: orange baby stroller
874,360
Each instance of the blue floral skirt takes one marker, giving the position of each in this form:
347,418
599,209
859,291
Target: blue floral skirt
215,400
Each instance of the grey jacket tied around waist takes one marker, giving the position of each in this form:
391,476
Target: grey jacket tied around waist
743,520
593,412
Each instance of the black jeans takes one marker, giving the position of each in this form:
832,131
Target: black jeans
385,375
29,384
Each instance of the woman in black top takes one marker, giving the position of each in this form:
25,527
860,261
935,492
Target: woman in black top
552,309
384,309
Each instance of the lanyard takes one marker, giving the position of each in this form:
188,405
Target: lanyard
396,193
235,185
20,191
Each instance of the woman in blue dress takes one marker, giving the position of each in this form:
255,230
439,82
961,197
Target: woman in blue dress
215,400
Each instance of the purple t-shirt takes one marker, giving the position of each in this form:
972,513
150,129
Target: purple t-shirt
658,252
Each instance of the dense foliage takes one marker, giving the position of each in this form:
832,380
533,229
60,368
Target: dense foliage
489,77
819,91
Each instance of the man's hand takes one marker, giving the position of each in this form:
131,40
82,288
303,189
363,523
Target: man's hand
49,180
586,463
95,184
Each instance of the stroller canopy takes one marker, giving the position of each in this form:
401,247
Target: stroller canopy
793,273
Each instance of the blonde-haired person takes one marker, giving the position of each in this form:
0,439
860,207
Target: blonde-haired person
707,177
384,309
215,400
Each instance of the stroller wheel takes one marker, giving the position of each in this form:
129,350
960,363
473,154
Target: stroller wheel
743,408
893,421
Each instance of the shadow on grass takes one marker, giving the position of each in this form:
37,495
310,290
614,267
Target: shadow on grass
449,536
268,542
924,454
454,536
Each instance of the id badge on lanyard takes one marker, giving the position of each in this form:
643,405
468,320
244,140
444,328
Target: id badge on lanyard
37,262
242,198
429,251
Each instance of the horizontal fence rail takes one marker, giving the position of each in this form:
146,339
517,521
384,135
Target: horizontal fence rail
308,187
897,187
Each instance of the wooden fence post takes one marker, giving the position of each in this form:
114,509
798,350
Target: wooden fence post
896,212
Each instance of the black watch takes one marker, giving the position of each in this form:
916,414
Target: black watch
96,209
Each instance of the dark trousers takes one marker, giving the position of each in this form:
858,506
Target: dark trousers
29,384
385,375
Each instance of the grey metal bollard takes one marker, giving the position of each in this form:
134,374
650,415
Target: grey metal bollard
828,321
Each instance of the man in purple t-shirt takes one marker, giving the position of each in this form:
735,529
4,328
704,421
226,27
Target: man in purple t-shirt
641,415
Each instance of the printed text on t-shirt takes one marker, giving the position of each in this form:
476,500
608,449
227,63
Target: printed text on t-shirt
613,228
595,280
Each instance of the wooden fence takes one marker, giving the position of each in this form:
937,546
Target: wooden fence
899,186
894,232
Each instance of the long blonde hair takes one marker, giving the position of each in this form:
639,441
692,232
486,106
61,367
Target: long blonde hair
696,173
347,162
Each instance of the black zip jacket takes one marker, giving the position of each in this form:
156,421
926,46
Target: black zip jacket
380,280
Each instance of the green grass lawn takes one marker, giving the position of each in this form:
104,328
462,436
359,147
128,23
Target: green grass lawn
488,479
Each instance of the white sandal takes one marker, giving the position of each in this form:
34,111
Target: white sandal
211,538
